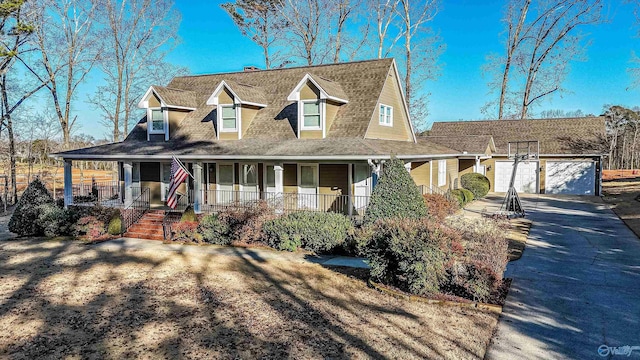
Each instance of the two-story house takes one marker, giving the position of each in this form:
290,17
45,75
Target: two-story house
316,136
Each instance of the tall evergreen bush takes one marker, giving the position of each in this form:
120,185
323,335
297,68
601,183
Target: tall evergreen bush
395,196
24,219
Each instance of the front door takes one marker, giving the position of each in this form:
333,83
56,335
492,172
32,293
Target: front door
165,180
224,183
308,186
361,186
249,182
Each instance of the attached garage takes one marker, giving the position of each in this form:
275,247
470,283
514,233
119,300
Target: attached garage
570,177
526,177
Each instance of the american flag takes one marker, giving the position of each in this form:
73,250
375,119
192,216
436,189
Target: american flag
178,176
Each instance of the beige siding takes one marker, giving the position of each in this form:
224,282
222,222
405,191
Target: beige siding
490,173
228,135
310,134
225,97
247,113
451,178
330,113
175,117
390,96
309,92
452,174
154,101
420,173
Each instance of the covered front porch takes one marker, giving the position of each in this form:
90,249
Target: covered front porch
287,186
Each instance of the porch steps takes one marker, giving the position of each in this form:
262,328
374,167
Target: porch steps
149,227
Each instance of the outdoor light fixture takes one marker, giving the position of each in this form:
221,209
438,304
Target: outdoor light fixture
488,167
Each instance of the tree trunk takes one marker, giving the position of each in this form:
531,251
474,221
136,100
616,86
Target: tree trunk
12,156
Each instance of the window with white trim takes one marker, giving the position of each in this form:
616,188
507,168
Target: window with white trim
442,172
311,115
386,115
157,121
229,118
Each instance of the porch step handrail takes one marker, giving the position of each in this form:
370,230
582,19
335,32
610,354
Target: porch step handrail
136,210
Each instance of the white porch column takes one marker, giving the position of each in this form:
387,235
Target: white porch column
350,189
376,168
68,183
407,166
279,184
477,169
279,178
127,166
197,187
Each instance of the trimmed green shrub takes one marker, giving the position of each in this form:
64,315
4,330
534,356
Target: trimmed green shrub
463,196
189,215
395,195
214,230
24,219
409,254
478,184
459,196
316,231
53,220
115,226
468,195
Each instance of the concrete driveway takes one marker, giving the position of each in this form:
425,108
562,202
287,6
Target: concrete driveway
576,288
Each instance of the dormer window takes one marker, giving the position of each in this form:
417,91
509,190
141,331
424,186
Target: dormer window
229,118
312,95
386,115
311,115
157,121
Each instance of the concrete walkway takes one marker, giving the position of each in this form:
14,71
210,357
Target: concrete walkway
248,253
576,288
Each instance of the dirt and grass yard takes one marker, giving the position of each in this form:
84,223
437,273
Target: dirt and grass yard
623,195
65,299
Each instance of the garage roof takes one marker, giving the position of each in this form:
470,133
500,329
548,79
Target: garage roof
556,136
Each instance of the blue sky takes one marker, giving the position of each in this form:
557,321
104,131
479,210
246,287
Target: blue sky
470,29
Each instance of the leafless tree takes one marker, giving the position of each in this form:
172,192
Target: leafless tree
307,29
542,39
16,28
384,17
67,43
263,23
135,39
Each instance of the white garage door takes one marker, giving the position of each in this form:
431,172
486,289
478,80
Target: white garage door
570,177
526,177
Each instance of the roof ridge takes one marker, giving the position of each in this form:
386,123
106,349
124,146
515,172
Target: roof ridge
286,68
532,119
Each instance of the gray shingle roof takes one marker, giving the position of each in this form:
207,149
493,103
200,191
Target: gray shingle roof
332,88
272,131
472,144
246,92
556,136
261,148
176,97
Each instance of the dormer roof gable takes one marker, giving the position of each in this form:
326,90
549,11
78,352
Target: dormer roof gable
329,90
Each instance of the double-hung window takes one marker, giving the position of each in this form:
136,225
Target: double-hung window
311,119
442,172
229,118
157,121
386,115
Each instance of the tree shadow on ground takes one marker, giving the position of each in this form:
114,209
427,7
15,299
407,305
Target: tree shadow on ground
65,299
